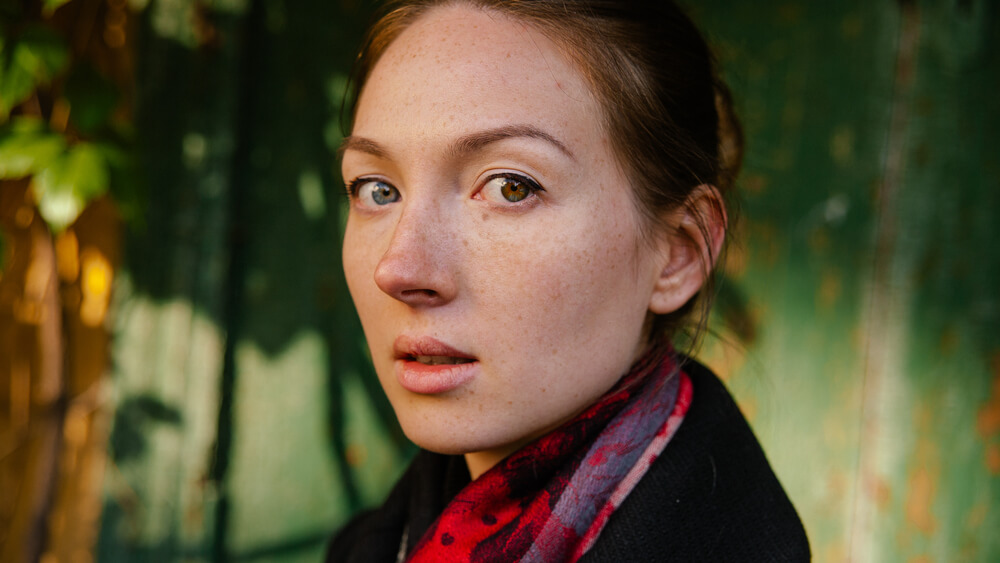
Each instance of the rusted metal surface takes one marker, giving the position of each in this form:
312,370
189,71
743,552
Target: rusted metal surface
249,424
871,195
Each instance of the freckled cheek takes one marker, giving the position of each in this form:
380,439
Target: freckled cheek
533,283
355,261
351,259
361,254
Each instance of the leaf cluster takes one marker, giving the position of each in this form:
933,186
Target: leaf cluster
59,118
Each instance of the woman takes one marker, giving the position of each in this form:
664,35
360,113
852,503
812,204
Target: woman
536,197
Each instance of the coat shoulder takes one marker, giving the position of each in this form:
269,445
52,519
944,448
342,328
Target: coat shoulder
711,495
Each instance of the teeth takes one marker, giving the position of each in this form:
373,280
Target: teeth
440,360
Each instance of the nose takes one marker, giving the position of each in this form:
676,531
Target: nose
416,268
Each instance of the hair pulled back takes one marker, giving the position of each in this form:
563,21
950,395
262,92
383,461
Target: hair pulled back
667,113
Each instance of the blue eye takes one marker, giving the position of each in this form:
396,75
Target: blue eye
372,193
509,188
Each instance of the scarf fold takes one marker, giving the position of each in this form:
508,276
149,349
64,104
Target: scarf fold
550,500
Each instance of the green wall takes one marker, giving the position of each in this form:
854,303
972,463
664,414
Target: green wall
248,422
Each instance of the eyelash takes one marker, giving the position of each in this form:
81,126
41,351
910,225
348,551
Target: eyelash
532,185
351,188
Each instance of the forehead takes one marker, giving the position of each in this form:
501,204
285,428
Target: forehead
458,68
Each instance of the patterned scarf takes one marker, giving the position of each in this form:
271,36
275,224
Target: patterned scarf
550,500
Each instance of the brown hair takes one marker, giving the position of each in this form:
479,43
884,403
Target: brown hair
668,114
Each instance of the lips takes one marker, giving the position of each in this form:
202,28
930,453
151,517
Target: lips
430,349
441,360
428,366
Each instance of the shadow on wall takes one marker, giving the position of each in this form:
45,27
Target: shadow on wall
237,350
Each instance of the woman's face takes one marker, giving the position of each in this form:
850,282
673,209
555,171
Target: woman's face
492,247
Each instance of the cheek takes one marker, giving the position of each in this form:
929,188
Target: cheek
360,255
354,261
569,271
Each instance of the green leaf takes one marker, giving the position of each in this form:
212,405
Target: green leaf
42,52
91,97
32,60
50,6
16,85
27,147
64,188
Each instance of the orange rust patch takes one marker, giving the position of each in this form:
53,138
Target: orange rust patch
833,552
993,459
356,455
819,241
923,419
755,184
767,242
921,490
920,559
976,516
881,493
988,419
736,259
949,341
829,290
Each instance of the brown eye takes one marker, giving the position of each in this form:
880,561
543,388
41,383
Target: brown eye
514,191
508,188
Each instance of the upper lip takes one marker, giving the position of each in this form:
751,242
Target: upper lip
412,346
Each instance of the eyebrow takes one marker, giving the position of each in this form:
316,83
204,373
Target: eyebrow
464,145
361,144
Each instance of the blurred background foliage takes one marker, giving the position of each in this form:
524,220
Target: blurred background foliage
182,375
65,120
65,155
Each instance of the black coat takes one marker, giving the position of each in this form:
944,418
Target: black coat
711,496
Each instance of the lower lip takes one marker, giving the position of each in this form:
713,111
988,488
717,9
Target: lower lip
433,379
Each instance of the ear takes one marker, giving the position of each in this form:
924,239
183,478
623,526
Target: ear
689,251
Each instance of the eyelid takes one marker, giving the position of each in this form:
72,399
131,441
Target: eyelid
525,179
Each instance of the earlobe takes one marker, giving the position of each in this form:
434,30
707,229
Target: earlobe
690,250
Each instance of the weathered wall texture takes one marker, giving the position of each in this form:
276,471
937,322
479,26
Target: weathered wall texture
248,424
868,262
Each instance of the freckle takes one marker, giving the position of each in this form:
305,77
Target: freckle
486,217
510,403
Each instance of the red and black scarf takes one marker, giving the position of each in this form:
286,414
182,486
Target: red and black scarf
550,500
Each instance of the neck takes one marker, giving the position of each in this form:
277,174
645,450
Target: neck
481,462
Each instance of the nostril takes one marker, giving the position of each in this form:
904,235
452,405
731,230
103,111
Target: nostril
428,293
420,297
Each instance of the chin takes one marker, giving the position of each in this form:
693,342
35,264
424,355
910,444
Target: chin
447,444
452,439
